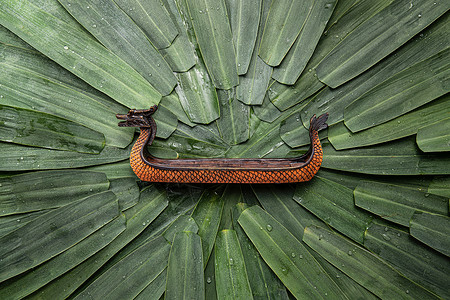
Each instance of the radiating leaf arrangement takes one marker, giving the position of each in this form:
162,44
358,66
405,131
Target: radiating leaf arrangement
233,78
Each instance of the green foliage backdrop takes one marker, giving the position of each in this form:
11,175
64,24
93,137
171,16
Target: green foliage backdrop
233,78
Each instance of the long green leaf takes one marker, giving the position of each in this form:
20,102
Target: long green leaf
192,146
44,273
126,190
21,158
153,18
279,203
147,200
264,283
195,87
132,274
150,205
400,157
351,180
77,51
434,137
182,223
172,103
333,204
440,186
180,54
253,85
244,20
348,286
32,128
12,222
213,32
181,199
47,189
9,38
207,215
116,31
284,96
363,266
166,122
266,112
413,259
413,122
32,244
32,81
116,170
285,20
376,38
287,257
185,268
396,203
155,289
210,279
197,95
431,229
301,51
232,195
234,121
294,134
429,42
231,275
411,88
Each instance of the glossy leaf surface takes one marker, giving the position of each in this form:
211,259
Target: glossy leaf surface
39,231
286,256
220,100
231,275
432,230
153,18
407,255
111,26
362,266
47,189
396,203
213,32
78,52
185,268
284,22
31,128
342,64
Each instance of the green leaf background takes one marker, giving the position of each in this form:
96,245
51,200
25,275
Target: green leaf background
233,78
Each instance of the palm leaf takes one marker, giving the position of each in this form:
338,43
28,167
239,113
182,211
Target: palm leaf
232,79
